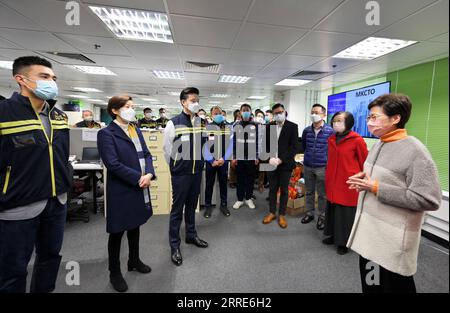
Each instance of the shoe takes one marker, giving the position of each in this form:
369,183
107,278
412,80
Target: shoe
253,197
269,218
198,242
250,204
224,210
282,221
307,219
139,266
208,211
320,223
342,250
177,259
328,241
118,282
237,205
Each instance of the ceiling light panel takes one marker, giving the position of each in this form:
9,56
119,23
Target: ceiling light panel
372,48
168,74
93,70
292,82
233,79
135,24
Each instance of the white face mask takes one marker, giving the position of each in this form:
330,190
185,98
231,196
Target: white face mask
88,118
162,115
259,120
339,127
280,118
193,107
128,115
148,115
315,118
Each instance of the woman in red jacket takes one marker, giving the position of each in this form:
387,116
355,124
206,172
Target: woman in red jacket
347,152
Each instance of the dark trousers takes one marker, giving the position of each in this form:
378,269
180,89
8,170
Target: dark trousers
222,174
185,192
245,171
278,179
114,243
17,242
389,282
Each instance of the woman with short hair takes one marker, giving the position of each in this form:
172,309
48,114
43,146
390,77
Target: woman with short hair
399,183
347,152
129,172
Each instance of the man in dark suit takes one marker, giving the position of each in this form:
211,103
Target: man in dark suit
281,161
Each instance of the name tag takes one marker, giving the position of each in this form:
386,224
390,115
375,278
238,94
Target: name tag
185,138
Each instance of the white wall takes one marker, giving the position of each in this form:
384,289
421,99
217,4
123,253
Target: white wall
298,104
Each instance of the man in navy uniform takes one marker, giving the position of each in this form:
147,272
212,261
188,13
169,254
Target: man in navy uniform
183,142
217,153
34,176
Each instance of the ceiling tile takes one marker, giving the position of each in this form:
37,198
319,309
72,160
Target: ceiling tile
230,9
324,44
251,58
351,16
115,61
416,52
242,70
421,26
52,16
204,54
11,19
276,73
166,64
12,54
265,38
86,44
151,49
333,65
295,61
374,66
440,38
36,40
201,77
210,33
7,44
294,13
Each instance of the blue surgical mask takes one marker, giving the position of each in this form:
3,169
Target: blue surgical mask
267,119
45,89
246,115
218,119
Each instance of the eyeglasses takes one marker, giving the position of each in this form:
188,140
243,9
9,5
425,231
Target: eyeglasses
373,117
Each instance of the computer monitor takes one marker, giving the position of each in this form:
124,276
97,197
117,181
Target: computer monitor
90,154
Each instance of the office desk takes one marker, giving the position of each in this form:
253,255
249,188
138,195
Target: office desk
92,168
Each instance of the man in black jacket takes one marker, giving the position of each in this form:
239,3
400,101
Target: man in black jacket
35,178
281,161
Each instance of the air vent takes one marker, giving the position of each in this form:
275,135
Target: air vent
72,56
199,67
309,75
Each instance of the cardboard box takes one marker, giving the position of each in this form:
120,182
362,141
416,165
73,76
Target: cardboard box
296,207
